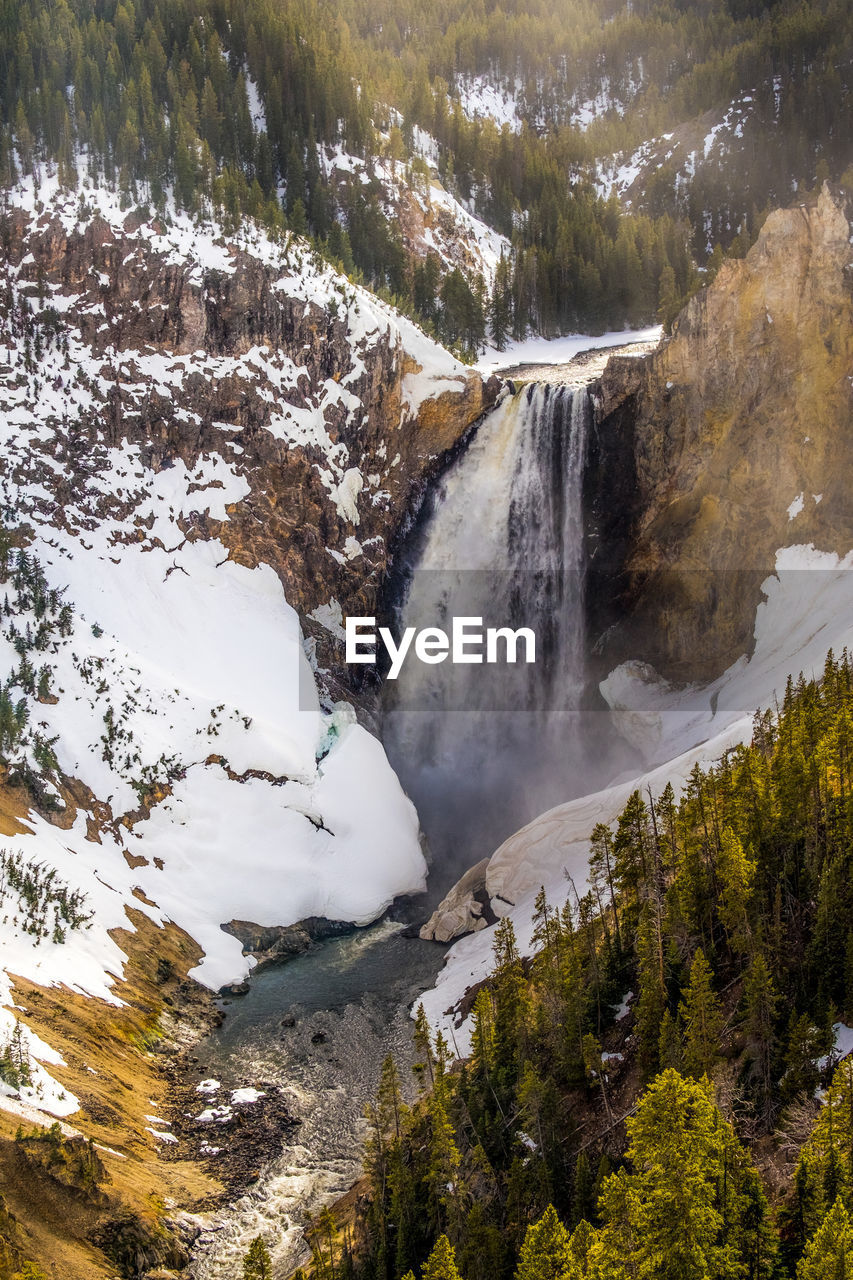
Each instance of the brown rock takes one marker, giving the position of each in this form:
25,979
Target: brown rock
702,447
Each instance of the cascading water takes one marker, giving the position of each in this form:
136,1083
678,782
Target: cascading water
483,749
480,749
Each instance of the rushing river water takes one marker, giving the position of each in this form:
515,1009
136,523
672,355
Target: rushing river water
482,748
353,992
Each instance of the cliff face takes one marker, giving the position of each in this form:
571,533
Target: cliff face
333,410
730,442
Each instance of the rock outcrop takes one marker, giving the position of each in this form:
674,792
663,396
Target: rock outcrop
276,944
465,909
309,388
734,439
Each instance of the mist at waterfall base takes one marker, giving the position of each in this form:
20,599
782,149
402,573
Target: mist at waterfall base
482,749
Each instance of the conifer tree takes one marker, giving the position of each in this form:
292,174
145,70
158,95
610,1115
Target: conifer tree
441,1263
546,1254
825,1165
700,1012
736,871
670,1048
257,1264
583,1198
829,1254
759,1023
651,1000
689,1207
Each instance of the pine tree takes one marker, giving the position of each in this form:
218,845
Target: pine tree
257,1264
601,868
691,1206
509,994
670,1048
500,307
441,1263
825,1165
700,1012
583,1198
545,1254
423,1046
651,999
444,1203
829,1254
736,872
759,1024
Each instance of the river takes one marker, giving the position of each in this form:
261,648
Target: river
347,1001
480,754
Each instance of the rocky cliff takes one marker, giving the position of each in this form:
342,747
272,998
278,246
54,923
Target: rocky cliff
731,441
333,409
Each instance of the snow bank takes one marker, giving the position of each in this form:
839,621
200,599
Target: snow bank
807,609
546,351
482,98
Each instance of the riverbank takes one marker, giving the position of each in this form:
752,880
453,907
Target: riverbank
317,1029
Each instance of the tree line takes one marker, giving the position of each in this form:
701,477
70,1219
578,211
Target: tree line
726,913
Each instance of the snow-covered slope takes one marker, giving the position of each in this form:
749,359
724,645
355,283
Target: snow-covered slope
807,610
430,218
209,785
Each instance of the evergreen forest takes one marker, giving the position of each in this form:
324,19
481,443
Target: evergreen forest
234,110
714,1138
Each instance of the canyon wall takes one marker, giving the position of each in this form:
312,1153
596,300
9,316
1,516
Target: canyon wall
732,440
335,410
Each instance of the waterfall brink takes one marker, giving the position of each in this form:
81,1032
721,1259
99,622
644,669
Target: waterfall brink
482,749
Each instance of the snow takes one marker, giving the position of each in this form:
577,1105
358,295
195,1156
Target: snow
796,506
485,244
160,1135
343,846
242,1097
539,350
807,609
681,152
215,1115
256,106
271,809
624,1006
458,237
43,1095
585,112
842,1046
481,98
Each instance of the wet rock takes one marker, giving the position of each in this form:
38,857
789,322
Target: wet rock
234,989
235,1138
277,944
464,910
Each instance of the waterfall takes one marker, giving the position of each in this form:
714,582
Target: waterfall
482,749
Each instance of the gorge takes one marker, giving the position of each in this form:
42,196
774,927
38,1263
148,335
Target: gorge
247,427
519,523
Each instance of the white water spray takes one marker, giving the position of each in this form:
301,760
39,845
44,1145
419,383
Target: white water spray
483,749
